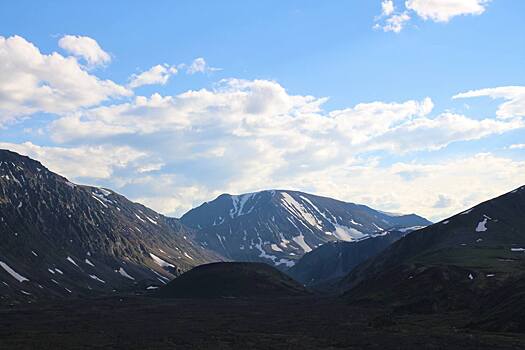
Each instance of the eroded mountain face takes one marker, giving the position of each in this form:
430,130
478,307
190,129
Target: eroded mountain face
278,227
63,239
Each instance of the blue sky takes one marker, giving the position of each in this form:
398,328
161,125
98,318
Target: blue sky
341,98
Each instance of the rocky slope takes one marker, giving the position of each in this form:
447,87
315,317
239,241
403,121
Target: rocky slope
459,262
278,227
62,239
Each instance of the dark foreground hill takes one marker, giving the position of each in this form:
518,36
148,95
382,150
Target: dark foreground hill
60,239
232,279
474,260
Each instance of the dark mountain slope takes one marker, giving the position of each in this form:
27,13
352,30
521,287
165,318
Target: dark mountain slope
455,263
234,279
62,239
336,259
278,227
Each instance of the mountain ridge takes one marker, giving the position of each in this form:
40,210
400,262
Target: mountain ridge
279,226
64,239
454,263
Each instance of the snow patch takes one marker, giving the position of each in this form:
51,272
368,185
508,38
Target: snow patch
124,273
482,225
71,261
413,228
273,258
138,217
97,279
348,234
276,248
151,220
89,262
13,273
301,243
159,261
517,249
298,210
238,203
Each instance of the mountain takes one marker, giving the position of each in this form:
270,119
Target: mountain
278,227
63,239
332,260
232,279
460,262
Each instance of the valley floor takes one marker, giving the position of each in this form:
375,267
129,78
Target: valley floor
292,323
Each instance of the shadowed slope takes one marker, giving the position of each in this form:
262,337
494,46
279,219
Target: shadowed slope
234,279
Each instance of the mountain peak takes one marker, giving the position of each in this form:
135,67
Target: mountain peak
279,226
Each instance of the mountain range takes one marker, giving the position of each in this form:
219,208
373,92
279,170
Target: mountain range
63,239
278,226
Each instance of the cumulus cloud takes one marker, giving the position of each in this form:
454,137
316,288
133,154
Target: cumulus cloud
444,10
396,22
436,133
94,162
513,95
199,65
86,48
387,7
33,82
391,20
158,74
291,125
173,152
416,186
254,134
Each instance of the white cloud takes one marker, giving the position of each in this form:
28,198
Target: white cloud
517,146
391,20
514,96
172,152
436,133
33,82
86,48
443,201
95,162
254,134
199,65
417,186
158,74
161,73
396,22
444,10
387,7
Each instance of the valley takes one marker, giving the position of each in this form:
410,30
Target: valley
135,323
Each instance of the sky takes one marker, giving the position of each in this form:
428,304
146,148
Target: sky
412,106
